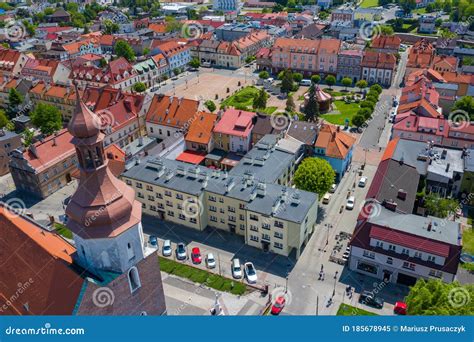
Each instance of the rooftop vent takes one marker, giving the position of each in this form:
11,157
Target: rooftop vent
402,194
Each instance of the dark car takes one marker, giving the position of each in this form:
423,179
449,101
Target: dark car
153,240
369,299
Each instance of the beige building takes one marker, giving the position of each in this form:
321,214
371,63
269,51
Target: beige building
270,217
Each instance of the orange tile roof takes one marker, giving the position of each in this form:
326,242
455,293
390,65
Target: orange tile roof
386,42
200,130
52,150
171,110
390,149
158,28
106,39
336,143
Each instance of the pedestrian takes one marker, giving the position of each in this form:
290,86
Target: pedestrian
322,267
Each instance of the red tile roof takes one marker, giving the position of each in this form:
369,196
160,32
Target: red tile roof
200,130
235,122
386,42
171,110
192,157
335,142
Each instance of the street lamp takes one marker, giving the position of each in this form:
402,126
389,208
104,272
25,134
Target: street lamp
335,280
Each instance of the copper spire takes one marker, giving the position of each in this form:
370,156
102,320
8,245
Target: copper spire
84,122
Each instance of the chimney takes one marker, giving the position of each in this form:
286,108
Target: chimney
333,136
402,194
429,227
128,104
33,150
447,167
390,205
54,141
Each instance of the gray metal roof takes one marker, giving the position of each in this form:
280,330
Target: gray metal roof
268,199
5,134
469,161
412,153
441,229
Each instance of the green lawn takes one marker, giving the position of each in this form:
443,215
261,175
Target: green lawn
369,3
201,276
62,230
348,310
468,238
243,98
347,111
421,10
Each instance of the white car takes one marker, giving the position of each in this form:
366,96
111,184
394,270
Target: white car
250,273
333,188
181,253
350,203
362,182
210,260
236,269
326,198
166,248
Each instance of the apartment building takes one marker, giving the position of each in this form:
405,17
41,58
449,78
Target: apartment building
9,141
62,97
402,248
170,116
349,65
45,166
305,56
387,44
11,62
378,68
232,133
270,217
199,134
46,70
176,53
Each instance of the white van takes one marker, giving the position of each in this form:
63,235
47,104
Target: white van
236,269
305,83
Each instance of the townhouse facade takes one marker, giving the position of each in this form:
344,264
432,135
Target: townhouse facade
349,65
9,141
378,68
232,132
178,55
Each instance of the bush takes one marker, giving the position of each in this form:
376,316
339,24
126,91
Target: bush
376,88
297,77
365,112
367,104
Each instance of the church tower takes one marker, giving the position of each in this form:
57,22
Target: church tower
103,214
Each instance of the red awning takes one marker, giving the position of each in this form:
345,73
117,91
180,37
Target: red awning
192,157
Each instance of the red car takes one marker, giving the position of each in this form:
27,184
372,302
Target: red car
400,308
278,306
196,255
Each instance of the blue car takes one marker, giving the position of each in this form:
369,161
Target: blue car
153,240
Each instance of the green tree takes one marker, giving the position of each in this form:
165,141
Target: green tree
3,119
176,71
435,297
210,105
311,108
195,63
314,175
263,75
365,112
260,100
346,82
330,80
465,104
14,98
123,49
139,87
377,88
110,27
367,104
28,136
297,77
146,51
290,104
362,84
287,81
172,25
387,30
358,120
249,59
47,118
102,63
315,79
438,206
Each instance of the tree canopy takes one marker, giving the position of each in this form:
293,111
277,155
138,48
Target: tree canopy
311,108
210,105
316,79
123,49
314,175
47,118
434,297
438,206
362,84
139,87
466,104
286,81
260,100
330,80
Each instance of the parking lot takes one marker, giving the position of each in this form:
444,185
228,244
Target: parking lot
271,268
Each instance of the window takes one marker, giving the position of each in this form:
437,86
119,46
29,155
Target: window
253,228
169,204
278,245
389,261
213,218
254,238
140,195
221,199
279,224
436,273
134,279
130,252
167,193
149,188
391,248
139,185
266,237
179,196
221,210
265,226
278,235
405,251
212,198
370,255
231,218
193,220
151,198
253,217
158,195
431,258
242,206
409,266
212,208
231,209
182,217
170,213
417,255
379,244
152,208
128,181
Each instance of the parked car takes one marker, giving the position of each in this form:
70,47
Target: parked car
278,306
196,255
210,260
181,251
152,240
326,198
333,188
362,182
306,83
400,308
236,269
350,203
166,251
250,273
368,298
